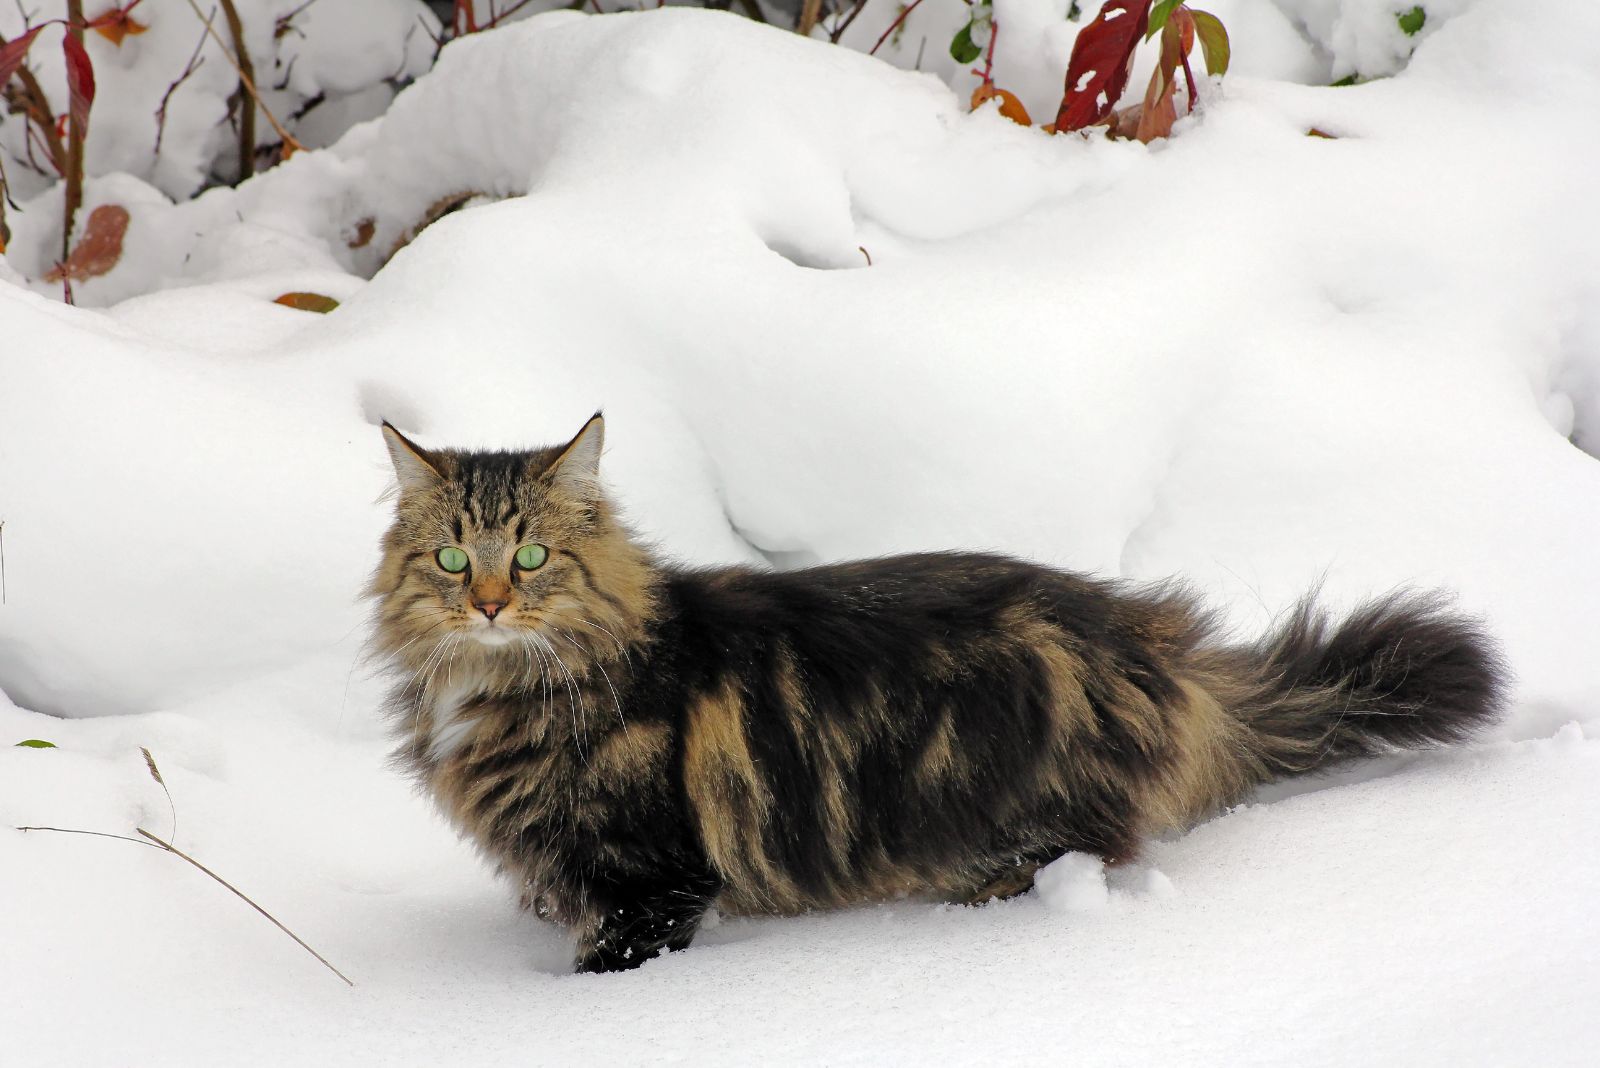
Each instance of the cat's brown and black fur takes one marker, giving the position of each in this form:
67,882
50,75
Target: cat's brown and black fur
634,742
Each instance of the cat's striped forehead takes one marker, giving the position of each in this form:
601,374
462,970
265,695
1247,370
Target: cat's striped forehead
492,490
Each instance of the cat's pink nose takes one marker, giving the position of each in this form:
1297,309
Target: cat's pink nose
489,608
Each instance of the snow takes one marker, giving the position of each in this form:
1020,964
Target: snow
1253,358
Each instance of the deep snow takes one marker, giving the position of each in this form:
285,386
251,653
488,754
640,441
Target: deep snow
1245,356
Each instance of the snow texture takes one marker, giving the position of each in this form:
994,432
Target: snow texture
1248,357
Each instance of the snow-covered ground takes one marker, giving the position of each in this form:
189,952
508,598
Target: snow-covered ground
1254,358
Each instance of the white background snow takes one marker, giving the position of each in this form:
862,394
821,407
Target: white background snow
1249,357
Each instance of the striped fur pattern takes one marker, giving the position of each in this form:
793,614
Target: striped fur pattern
634,742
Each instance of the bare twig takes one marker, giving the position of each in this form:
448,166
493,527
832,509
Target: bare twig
75,135
841,25
160,843
896,24
97,834
175,851
247,77
810,12
195,62
249,83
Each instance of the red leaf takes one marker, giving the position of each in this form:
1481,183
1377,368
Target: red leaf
98,249
1102,58
80,81
13,52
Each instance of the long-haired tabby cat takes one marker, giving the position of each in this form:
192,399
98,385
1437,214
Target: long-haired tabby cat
634,741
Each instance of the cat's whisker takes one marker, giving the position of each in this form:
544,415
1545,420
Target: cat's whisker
598,666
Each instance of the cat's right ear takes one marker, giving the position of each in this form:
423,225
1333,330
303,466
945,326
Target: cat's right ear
414,466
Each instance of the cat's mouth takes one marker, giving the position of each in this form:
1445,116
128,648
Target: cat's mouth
493,634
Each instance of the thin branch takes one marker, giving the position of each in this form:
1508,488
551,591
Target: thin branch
988,57
97,834
246,80
841,25
810,12
75,135
896,24
194,64
247,76
175,851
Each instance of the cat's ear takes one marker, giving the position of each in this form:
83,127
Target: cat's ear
577,469
414,466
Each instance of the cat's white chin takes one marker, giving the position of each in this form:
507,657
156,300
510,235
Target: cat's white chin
492,635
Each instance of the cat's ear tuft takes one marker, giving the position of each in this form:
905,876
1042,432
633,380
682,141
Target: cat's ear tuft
415,467
577,469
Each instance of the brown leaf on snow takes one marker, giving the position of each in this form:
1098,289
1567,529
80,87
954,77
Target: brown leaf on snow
1010,106
98,249
309,302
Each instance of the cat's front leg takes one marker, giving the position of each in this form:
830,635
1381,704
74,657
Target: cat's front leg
637,921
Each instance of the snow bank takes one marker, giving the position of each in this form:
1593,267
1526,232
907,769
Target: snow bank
1127,360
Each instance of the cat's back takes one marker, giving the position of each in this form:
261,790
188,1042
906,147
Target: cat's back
887,607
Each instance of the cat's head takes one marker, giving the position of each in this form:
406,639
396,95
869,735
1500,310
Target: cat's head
512,551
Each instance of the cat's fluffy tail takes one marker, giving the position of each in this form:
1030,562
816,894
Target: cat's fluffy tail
1402,672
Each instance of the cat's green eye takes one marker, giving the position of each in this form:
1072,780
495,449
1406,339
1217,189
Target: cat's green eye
452,559
532,557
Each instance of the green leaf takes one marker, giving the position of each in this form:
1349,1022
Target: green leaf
36,743
1348,79
1074,13
962,50
310,302
1213,41
1158,17
1412,21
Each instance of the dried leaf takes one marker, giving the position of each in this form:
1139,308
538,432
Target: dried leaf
1314,132
98,249
309,302
363,235
1213,41
1159,111
1010,106
116,24
1102,59
80,81
13,52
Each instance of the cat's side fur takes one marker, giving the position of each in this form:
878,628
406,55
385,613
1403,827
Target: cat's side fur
633,742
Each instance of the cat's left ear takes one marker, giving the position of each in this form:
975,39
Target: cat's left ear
414,466
577,469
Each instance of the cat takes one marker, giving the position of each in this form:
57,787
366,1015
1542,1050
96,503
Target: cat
634,742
